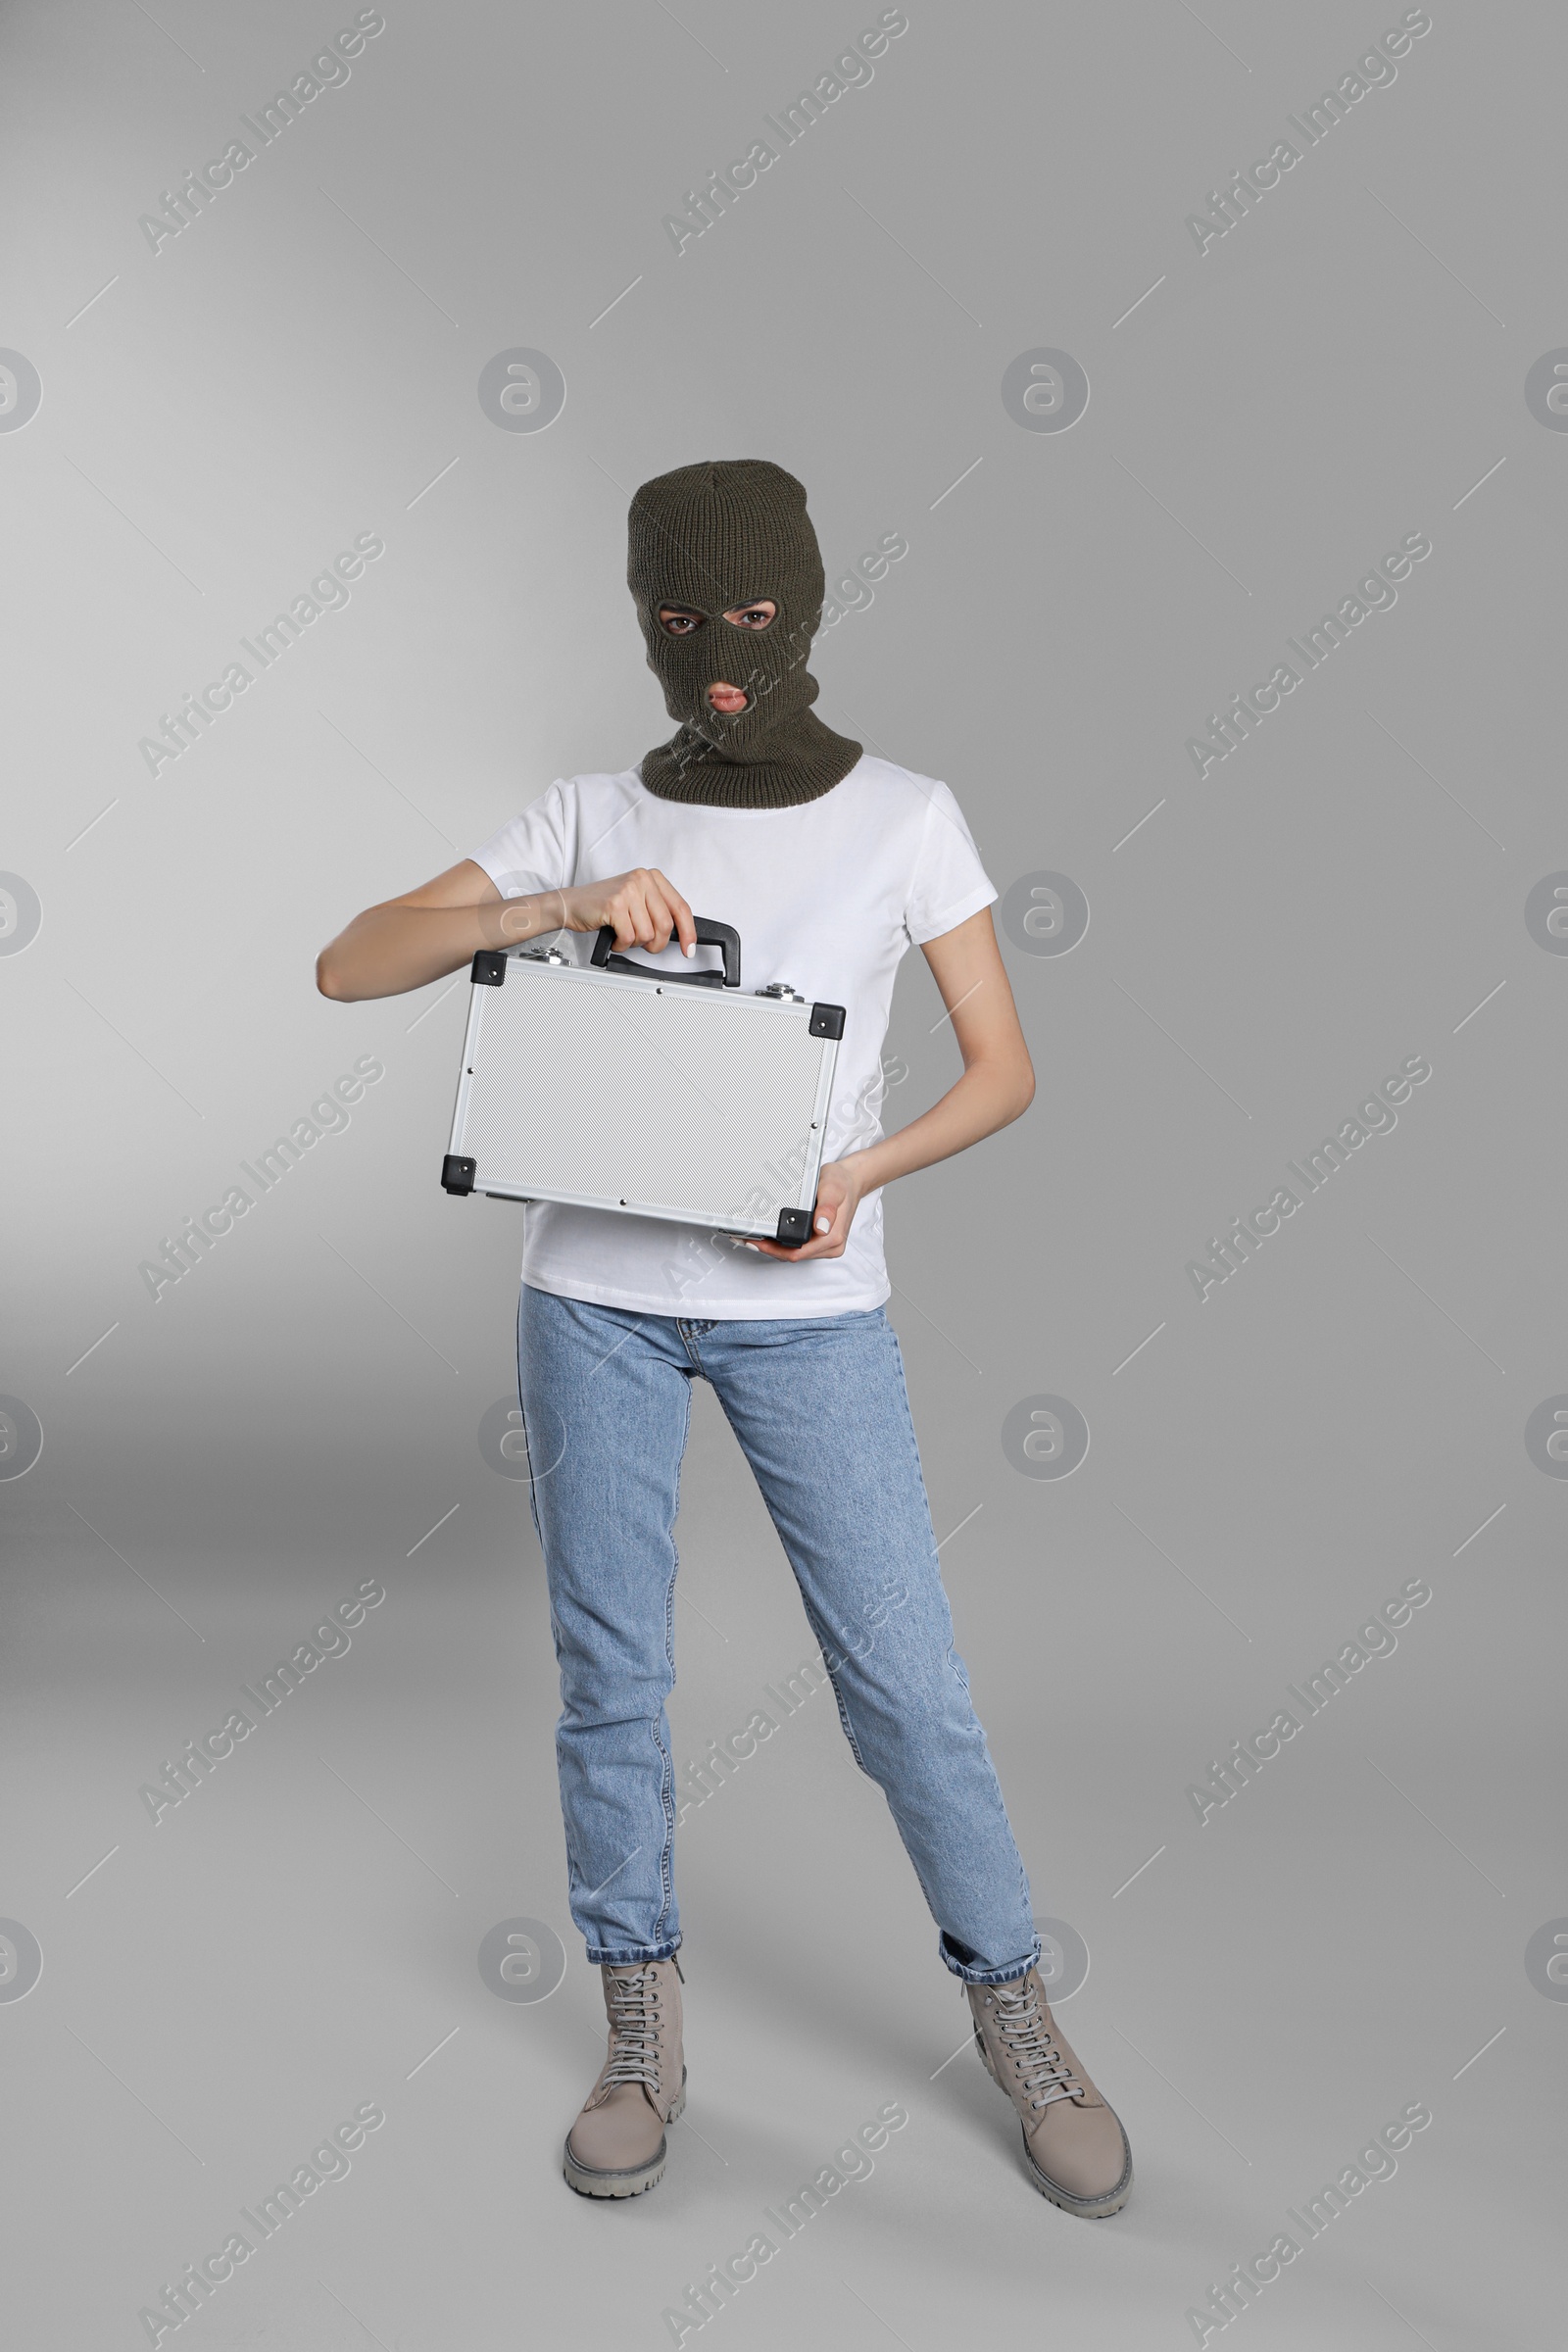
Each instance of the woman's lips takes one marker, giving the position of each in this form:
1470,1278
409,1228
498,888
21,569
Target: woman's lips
727,699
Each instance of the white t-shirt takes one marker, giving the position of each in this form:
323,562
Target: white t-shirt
828,895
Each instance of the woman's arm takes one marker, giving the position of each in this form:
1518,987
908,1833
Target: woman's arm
405,943
997,1086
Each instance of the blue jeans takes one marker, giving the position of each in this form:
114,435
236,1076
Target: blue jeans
821,1414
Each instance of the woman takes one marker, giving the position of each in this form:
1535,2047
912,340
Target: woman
830,863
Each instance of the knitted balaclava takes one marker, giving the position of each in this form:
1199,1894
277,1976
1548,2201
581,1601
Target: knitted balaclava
713,537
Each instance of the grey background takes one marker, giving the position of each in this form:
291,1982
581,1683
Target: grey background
222,1467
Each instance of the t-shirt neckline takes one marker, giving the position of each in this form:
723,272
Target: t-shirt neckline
748,816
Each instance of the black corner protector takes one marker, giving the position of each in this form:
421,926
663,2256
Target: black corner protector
795,1224
827,1020
489,968
457,1174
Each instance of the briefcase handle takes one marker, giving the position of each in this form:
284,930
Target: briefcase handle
708,934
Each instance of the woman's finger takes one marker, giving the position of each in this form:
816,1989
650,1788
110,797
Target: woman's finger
630,918
660,916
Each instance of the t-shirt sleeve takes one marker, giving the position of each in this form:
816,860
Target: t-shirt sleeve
533,851
948,883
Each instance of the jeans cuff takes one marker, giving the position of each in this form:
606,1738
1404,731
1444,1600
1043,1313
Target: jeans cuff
972,1972
627,1956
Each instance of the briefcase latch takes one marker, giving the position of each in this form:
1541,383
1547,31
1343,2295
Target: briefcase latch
782,989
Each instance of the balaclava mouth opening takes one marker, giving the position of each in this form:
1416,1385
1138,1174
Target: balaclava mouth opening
713,537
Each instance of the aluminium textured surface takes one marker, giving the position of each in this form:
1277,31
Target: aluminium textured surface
595,1087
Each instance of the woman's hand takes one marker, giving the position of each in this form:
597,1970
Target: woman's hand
405,943
997,1086
644,907
839,1193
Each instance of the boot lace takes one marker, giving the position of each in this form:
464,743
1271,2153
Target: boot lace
634,2030
1038,2064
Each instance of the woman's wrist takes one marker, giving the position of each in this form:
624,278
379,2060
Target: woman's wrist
862,1169
513,920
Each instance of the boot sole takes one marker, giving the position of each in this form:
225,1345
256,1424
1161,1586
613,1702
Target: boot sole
1091,2209
589,2182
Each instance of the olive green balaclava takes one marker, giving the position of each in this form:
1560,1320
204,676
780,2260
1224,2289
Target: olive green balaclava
713,537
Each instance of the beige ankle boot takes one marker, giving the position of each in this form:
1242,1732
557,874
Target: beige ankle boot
1077,2150
616,2147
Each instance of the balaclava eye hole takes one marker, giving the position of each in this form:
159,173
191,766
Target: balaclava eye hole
714,538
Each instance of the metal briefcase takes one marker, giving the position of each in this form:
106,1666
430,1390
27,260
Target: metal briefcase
655,1093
